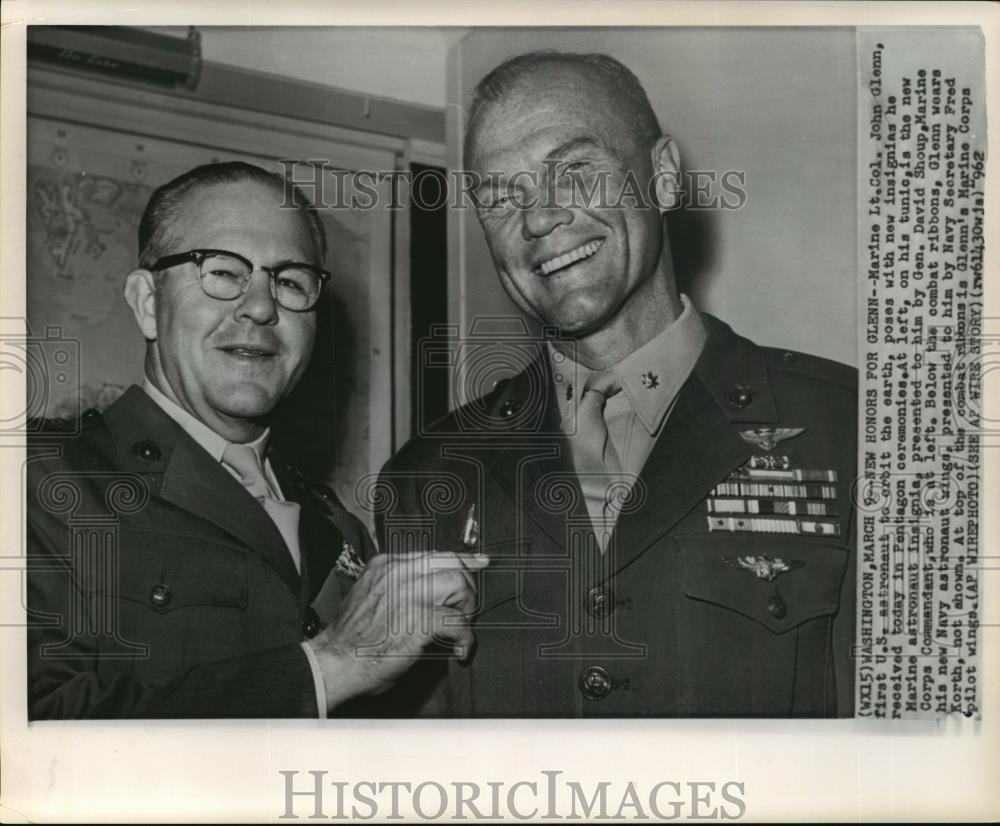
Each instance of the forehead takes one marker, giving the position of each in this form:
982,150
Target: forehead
242,212
552,105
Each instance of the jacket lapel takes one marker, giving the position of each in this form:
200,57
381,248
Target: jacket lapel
696,450
533,448
320,541
700,442
179,471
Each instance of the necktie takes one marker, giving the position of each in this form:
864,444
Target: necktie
285,515
594,456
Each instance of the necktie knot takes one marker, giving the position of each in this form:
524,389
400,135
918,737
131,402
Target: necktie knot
245,461
601,386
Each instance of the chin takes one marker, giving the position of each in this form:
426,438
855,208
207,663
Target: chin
247,401
578,321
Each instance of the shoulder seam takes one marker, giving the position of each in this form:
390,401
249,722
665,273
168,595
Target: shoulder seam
811,367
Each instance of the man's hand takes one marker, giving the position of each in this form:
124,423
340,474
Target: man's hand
400,605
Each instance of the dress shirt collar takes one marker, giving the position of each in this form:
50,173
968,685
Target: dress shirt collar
651,377
198,430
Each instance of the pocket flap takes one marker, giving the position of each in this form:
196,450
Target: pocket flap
165,572
731,571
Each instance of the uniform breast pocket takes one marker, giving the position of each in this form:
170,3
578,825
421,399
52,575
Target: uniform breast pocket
779,582
167,573
182,598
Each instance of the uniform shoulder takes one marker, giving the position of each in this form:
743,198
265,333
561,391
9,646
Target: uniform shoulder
70,433
811,367
476,416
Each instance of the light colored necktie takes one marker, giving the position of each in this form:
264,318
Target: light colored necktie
594,456
285,515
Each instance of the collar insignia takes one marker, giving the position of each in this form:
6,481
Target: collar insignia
650,380
763,567
767,437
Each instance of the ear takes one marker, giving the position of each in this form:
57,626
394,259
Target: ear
140,295
667,173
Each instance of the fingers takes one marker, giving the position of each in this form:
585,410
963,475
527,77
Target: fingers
446,568
470,561
451,626
408,590
439,577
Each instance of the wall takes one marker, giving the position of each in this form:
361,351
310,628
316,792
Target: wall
404,63
778,105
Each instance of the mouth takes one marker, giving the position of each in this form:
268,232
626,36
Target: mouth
567,259
248,351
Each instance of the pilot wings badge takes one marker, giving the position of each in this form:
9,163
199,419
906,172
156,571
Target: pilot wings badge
763,567
767,437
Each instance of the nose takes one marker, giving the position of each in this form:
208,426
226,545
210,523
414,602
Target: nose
541,218
258,304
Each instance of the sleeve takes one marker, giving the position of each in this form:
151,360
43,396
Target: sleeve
318,682
69,635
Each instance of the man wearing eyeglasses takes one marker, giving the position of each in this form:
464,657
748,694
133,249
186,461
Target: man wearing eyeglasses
177,567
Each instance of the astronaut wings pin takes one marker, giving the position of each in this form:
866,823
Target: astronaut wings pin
767,437
762,566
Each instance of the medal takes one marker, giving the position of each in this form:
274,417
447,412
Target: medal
762,566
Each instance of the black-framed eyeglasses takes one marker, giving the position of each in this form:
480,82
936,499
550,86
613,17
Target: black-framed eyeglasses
226,275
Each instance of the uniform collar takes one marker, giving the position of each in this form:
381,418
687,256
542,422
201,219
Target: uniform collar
734,371
650,377
211,441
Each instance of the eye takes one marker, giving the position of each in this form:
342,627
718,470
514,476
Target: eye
220,272
223,269
496,205
290,284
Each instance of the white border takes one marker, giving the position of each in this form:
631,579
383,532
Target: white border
123,771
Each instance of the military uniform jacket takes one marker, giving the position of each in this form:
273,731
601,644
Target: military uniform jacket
158,587
681,616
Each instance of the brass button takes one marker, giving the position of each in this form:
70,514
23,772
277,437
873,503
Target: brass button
147,451
510,408
310,623
600,602
160,595
595,683
777,608
741,396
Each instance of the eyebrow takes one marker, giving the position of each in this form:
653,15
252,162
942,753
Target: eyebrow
585,142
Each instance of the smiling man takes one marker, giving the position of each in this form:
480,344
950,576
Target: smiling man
177,566
667,504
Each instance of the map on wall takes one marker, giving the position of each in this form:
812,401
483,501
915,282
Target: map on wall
86,189
81,244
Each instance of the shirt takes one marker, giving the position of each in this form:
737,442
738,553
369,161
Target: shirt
650,378
215,445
